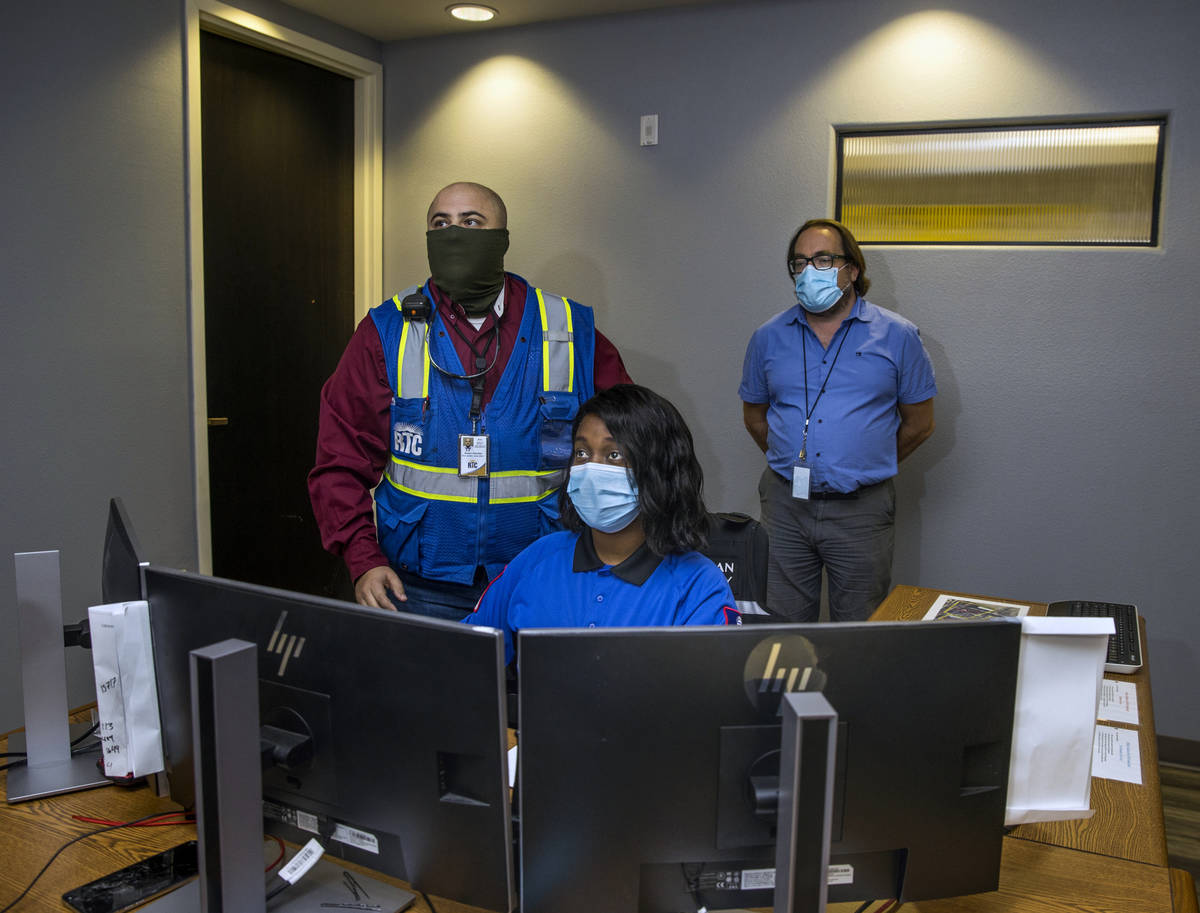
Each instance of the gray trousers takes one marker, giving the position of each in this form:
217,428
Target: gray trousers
852,540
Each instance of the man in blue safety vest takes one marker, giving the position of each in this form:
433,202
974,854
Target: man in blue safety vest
445,429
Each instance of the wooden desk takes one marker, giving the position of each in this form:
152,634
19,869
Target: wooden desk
31,832
1116,860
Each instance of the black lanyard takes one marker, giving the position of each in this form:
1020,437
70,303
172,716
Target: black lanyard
808,413
481,365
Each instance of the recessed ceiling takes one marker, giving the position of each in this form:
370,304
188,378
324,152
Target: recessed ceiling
392,20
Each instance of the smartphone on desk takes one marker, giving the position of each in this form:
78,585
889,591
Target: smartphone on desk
137,883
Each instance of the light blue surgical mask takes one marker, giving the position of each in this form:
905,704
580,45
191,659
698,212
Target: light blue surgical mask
817,290
604,495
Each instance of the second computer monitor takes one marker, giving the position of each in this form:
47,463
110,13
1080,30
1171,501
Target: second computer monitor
388,729
649,759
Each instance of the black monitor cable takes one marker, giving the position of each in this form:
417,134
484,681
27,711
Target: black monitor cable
74,840
75,749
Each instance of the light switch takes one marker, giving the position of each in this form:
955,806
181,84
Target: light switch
649,129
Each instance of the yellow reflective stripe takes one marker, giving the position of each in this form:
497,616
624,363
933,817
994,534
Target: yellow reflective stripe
569,341
545,343
431,497
425,372
570,347
554,476
400,359
528,499
444,471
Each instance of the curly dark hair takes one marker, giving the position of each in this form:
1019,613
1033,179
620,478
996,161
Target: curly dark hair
660,453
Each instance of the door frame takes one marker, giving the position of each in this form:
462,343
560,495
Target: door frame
231,22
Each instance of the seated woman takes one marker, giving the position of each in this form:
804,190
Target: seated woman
634,514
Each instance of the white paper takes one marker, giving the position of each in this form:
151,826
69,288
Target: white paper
962,608
1118,702
304,860
1058,691
512,767
1118,754
126,699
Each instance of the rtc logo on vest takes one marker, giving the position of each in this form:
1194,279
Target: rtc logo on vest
407,439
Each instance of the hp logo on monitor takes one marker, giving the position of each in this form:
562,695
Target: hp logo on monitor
777,666
288,646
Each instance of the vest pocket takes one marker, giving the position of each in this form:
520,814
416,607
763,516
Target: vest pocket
400,535
410,438
548,517
556,413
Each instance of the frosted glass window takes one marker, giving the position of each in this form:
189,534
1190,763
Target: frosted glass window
1046,184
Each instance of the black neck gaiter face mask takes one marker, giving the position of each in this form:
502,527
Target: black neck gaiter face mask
468,264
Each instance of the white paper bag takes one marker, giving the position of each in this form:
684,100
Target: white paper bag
125,689
1058,689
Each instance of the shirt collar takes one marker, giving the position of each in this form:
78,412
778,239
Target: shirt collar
635,569
858,312
454,311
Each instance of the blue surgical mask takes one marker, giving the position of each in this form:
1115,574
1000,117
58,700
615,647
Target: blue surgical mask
604,496
817,290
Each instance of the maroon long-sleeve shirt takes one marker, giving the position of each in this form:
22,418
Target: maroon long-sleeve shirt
352,438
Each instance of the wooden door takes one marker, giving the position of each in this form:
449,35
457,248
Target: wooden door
278,177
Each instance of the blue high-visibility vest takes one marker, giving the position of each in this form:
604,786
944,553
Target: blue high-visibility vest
433,521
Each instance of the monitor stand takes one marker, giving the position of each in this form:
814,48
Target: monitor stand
229,820
808,749
50,768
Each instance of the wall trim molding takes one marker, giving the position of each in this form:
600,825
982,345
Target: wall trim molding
1172,750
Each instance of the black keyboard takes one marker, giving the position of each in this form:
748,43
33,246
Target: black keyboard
1125,646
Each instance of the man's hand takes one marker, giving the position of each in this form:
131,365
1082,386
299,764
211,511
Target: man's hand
371,589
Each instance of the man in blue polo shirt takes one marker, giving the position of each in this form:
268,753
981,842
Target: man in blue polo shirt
836,392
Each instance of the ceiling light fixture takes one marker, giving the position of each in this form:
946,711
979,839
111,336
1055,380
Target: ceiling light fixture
471,12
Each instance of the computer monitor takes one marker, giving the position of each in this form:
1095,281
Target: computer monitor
649,755
405,716
121,567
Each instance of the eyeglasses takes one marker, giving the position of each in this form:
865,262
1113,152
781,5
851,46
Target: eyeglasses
820,261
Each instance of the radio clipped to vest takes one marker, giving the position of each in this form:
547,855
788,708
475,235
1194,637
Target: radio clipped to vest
416,307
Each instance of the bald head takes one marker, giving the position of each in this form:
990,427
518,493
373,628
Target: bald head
468,205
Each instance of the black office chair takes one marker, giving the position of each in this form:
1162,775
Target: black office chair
738,544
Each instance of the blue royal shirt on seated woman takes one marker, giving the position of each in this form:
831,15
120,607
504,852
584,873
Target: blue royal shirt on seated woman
560,582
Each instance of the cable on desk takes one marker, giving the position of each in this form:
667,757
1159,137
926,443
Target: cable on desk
74,840
180,818
424,896
282,851
21,755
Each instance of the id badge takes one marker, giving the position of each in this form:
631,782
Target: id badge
800,481
472,455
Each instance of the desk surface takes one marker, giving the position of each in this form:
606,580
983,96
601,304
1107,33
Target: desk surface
1111,863
1116,860
1128,823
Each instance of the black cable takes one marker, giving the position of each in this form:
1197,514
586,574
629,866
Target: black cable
95,726
76,749
274,892
73,840
424,896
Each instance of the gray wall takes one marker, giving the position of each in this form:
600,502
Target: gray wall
94,352
1064,461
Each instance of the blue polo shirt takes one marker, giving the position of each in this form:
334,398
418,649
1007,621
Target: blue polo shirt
852,433
560,582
